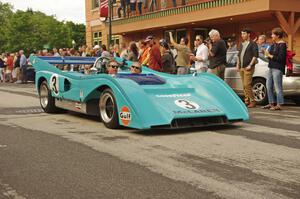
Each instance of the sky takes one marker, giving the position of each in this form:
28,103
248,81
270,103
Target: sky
69,10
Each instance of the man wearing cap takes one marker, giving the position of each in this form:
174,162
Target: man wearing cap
154,54
97,50
167,59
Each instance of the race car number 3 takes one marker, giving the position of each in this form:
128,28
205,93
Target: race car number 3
186,104
54,84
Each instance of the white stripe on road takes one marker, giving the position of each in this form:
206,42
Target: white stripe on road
269,130
9,192
293,121
273,113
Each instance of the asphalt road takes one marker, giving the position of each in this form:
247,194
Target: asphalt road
74,156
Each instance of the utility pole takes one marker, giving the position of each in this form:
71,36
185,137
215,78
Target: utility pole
110,15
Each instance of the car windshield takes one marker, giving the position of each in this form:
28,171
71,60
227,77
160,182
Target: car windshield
231,58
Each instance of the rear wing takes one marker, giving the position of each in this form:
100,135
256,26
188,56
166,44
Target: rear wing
68,60
47,63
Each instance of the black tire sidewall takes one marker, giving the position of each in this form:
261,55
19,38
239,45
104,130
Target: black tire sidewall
114,122
50,108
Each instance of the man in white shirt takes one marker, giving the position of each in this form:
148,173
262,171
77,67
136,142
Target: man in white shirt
55,52
201,55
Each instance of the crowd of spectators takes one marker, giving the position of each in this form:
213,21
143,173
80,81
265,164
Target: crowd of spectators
209,55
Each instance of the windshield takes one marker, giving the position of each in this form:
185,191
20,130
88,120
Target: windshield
232,56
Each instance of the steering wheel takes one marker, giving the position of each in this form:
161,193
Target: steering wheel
100,65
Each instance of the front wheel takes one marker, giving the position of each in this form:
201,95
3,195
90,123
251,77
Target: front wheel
46,100
108,109
260,91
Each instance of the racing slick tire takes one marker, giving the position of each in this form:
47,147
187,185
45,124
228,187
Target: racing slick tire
108,109
46,100
259,89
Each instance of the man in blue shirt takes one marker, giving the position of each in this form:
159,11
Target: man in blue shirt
23,67
262,45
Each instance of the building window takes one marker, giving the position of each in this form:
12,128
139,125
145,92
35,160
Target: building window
115,40
200,31
95,4
167,36
177,35
97,38
180,33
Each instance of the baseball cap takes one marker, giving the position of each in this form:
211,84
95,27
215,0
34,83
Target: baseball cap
164,43
96,47
150,37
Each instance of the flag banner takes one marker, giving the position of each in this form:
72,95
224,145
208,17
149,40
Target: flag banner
104,8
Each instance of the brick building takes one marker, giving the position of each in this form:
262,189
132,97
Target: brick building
198,17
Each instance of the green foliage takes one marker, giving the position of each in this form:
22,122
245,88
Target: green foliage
77,32
31,31
5,15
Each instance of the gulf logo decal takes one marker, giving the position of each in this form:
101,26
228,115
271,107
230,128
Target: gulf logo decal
125,115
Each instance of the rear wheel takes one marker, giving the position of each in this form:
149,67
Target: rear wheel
108,109
260,91
46,100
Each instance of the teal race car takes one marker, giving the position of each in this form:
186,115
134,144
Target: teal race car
143,101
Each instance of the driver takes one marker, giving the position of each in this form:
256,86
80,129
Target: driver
136,68
112,67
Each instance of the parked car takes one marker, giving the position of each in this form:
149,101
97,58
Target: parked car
148,100
291,84
30,73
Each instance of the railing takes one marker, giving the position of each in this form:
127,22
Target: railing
177,10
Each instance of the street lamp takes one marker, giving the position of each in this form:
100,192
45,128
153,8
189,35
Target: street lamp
73,43
110,13
109,20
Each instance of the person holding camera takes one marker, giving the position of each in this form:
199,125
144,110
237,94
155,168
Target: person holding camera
217,54
201,56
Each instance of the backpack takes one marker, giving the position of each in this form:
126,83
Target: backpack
289,62
173,62
2,63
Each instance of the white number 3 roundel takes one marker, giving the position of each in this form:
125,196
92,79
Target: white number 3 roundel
186,104
54,84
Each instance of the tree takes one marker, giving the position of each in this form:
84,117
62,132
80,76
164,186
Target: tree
77,32
33,30
5,15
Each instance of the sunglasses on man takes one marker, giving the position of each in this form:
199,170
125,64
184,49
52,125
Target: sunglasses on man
136,67
114,66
